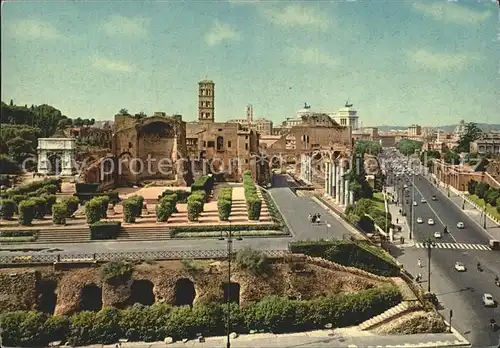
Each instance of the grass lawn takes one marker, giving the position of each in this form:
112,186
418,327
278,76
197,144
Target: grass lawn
378,199
489,208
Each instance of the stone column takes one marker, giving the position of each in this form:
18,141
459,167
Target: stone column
325,168
346,192
334,179
67,163
351,197
341,186
339,183
42,162
309,169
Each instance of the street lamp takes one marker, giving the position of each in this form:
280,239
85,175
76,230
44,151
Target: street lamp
484,212
463,194
429,244
229,240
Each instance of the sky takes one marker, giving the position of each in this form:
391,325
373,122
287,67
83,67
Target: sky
398,62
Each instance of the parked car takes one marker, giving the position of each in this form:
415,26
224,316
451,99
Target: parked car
430,222
460,267
415,203
460,224
488,300
420,220
423,200
437,235
434,198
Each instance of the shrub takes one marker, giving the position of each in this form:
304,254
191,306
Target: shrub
93,211
140,204
59,213
116,270
254,206
51,188
71,205
7,208
252,260
224,203
8,165
130,210
204,183
181,195
50,200
103,230
86,188
26,212
165,208
194,209
84,197
18,198
40,207
104,202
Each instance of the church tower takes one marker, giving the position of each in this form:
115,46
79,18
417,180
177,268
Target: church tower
206,101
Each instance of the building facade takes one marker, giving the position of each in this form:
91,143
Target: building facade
488,144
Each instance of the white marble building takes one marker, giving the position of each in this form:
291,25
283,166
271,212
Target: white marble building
56,155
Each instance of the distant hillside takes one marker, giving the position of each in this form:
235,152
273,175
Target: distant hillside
486,127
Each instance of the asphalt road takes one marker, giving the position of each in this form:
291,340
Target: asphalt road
460,292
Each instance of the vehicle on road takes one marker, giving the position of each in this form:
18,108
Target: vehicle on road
437,235
423,200
434,198
420,220
415,203
460,267
460,224
494,244
430,222
488,300
405,186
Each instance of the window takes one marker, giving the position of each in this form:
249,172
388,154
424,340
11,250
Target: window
246,146
246,161
211,144
229,144
204,144
220,143
208,104
129,145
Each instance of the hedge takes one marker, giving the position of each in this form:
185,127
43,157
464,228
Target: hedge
253,201
103,230
155,323
166,207
86,188
7,208
16,233
93,211
33,186
104,202
140,204
130,209
71,204
40,207
224,203
26,212
204,183
59,213
181,195
50,200
84,197
223,228
349,253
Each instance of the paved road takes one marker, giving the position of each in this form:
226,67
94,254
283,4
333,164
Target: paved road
460,292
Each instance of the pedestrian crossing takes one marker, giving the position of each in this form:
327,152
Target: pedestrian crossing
457,246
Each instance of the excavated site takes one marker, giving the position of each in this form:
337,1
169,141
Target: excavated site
175,282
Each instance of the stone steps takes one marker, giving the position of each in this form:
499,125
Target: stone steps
390,314
63,235
143,233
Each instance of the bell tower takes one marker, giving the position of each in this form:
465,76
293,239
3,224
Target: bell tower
206,101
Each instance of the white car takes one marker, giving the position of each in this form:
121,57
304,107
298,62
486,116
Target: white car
460,224
430,222
415,203
423,200
460,267
437,235
420,220
488,300
405,186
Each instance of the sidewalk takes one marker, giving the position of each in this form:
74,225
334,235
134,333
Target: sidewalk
471,209
399,220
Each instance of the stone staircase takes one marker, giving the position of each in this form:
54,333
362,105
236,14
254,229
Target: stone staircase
63,235
390,314
138,233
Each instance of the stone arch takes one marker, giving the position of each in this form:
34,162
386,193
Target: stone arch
142,292
54,162
231,292
185,292
91,298
219,144
47,298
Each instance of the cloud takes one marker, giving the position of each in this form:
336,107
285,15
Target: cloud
312,56
111,65
32,29
453,13
295,15
221,32
117,25
441,61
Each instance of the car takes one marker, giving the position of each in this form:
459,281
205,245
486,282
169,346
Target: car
423,200
460,224
420,220
460,267
430,222
437,235
415,203
405,186
488,300
434,198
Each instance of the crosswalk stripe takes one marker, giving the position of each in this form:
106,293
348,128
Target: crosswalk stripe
456,246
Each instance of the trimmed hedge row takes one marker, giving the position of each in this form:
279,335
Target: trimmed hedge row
181,195
84,197
166,207
34,186
219,228
86,188
103,230
195,204
204,183
254,203
132,208
154,323
357,254
59,213
224,203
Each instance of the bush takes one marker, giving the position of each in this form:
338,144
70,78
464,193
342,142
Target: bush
93,211
204,183
7,208
84,197
181,195
104,202
40,207
254,206
71,204
194,209
130,210
103,230
165,208
51,188
8,165
86,188
224,203
116,270
252,260
26,212
140,204
18,198
50,200
59,213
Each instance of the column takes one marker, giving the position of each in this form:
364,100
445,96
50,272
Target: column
334,179
66,165
325,168
339,184
42,162
309,169
351,197
346,191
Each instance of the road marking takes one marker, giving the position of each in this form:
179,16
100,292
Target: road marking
453,246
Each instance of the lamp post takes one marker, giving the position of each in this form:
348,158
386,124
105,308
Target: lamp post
463,196
429,244
484,213
229,240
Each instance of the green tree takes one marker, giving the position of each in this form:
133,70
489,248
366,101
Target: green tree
123,112
409,147
471,186
451,157
78,122
492,195
481,189
472,133
8,165
26,212
367,146
19,149
93,211
59,212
